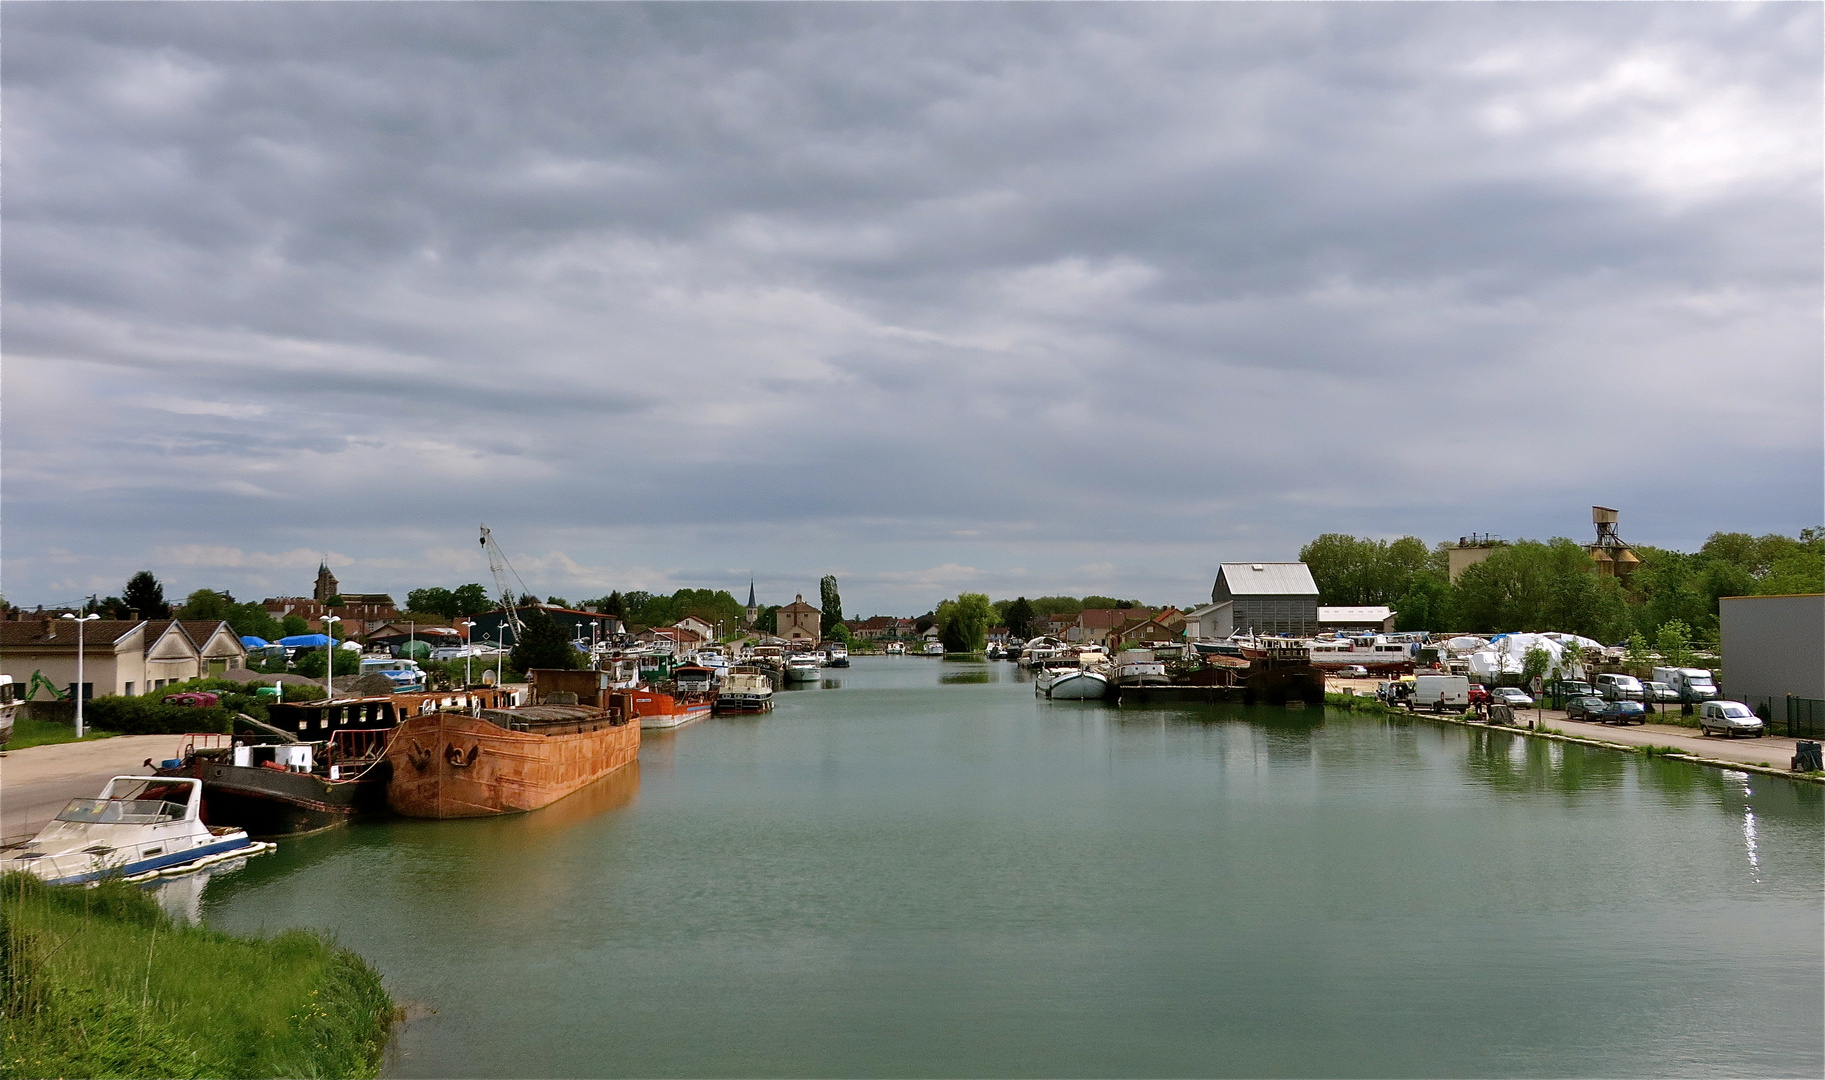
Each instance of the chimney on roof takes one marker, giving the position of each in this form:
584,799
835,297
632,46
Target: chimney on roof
132,614
50,628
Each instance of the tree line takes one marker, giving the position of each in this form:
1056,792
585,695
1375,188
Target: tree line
1533,585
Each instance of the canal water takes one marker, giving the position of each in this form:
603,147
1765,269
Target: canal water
918,869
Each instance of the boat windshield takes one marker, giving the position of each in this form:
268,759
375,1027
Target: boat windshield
121,811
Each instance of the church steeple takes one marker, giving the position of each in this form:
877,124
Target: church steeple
753,608
326,584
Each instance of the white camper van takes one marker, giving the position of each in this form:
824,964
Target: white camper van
1693,684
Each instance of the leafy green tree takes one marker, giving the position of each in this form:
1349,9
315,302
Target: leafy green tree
543,645
1639,658
145,594
1018,618
253,619
963,623
1534,663
558,601
1109,603
293,625
311,665
433,601
1675,644
206,604
832,604
612,604
1351,570
471,599
1056,605
1427,603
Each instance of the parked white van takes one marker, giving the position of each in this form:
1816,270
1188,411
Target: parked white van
1728,718
1441,692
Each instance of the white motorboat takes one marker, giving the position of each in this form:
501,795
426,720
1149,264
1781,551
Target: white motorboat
1039,652
895,648
140,827
804,667
1139,667
745,689
1078,684
932,648
836,654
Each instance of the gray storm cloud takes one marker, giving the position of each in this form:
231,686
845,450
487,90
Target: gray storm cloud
1020,297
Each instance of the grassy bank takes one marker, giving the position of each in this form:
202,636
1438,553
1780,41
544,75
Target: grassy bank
101,982
29,732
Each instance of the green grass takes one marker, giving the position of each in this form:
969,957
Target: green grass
29,732
101,982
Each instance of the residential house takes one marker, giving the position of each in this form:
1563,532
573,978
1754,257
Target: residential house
119,656
882,627
1166,626
800,622
702,628
680,640
1092,625
1201,622
1265,598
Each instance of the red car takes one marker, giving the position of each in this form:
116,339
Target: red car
1479,694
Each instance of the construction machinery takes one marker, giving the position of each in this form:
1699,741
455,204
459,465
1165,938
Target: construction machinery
501,569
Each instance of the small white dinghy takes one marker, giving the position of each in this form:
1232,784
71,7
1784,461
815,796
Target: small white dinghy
140,828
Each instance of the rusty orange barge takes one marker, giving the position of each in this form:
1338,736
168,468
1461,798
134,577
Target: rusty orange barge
507,761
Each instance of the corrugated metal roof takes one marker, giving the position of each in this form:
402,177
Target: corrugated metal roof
1268,579
1354,614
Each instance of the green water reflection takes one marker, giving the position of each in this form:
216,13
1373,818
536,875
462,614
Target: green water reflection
915,869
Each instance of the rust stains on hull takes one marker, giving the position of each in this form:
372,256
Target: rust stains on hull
447,765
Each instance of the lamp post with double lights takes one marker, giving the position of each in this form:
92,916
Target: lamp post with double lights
79,620
468,649
329,668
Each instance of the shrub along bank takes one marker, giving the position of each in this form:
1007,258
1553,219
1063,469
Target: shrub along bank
101,982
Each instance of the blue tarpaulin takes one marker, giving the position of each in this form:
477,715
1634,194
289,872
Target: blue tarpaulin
254,642
305,641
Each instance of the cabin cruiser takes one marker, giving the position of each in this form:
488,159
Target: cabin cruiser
1374,652
932,648
836,654
1139,667
804,667
140,827
745,688
895,648
694,679
1040,651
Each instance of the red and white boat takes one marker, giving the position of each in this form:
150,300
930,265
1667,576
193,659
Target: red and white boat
657,709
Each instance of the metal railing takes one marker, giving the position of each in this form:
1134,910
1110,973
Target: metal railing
1789,716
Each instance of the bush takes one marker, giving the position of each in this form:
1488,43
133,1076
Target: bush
150,716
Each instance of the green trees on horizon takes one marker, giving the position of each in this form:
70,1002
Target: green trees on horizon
963,623
1531,585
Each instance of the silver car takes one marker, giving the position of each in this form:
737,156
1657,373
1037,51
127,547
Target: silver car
1512,696
1658,691
1728,718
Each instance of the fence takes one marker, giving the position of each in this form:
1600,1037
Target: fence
1790,716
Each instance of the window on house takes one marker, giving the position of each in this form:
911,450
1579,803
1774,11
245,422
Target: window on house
129,689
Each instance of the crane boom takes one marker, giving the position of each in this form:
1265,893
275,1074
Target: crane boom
500,568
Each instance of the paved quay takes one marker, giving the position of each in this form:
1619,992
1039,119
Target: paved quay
1768,751
37,781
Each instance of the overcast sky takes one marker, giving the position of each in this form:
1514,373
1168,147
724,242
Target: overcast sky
1019,299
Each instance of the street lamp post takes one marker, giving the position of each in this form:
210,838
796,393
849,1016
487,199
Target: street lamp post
329,668
468,649
91,617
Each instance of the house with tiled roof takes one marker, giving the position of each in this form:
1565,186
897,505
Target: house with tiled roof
119,656
799,622
1092,625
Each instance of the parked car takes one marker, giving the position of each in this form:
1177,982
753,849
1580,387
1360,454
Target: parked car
455,652
1584,707
1354,671
1619,687
1659,691
1693,684
1572,688
1512,696
1622,712
1479,694
1728,718
1442,692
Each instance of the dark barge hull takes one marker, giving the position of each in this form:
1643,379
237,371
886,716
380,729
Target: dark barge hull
273,805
